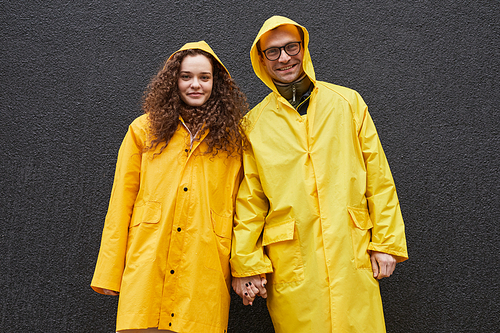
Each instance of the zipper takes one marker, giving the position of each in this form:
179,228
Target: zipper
191,137
298,106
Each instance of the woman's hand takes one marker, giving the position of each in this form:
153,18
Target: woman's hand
110,292
383,264
249,287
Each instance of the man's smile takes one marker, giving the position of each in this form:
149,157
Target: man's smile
286,68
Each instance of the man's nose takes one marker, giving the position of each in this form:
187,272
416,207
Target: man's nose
284,57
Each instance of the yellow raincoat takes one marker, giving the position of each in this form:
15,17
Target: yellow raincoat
317,196
167,235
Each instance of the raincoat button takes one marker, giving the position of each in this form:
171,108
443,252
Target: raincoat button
185,189
172,272
179,229
169,324
172,314
186,150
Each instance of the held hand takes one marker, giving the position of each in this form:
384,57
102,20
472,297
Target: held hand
110,292
383,264
249,287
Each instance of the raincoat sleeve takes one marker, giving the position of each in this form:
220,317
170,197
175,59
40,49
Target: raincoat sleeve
247,255
388,233
111,259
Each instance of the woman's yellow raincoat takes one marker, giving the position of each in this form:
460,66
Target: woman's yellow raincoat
166,240
317,196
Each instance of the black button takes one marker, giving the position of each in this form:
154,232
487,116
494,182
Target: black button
185,189
169,324
172,272
179,229
172,315
186,150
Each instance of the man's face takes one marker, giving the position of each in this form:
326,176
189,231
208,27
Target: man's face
286,68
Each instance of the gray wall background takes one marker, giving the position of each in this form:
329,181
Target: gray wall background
72,75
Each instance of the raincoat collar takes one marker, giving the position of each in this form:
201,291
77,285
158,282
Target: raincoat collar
258,66
201,45
294,91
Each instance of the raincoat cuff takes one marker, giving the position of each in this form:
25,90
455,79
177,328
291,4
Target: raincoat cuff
100,290
261,272
399,255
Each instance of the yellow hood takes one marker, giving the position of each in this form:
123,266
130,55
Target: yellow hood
258,66
201,45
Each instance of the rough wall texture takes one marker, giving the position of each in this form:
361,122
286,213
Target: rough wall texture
72,75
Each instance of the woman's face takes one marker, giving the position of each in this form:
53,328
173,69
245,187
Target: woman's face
195,80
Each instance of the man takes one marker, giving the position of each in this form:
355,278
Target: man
317,210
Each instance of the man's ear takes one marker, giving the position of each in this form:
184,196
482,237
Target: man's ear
261,59
259,52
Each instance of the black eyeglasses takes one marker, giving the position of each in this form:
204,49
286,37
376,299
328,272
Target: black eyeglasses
273,53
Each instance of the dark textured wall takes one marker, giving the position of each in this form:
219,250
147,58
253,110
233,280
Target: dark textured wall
72,74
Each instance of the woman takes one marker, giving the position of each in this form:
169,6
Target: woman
167,235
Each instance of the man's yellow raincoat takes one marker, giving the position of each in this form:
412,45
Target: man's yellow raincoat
317,196
166,240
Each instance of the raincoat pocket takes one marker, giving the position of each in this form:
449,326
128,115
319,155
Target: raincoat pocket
283,249
223,227
361,234
149,212
219,244
143,233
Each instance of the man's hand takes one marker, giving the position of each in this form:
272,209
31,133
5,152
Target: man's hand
383,264
249,287
110,292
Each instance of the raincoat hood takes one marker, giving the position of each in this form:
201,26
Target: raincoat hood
201,45
258,66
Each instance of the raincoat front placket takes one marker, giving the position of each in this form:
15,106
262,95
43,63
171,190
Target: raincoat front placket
184,203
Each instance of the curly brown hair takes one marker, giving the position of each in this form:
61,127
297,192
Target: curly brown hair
221,114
